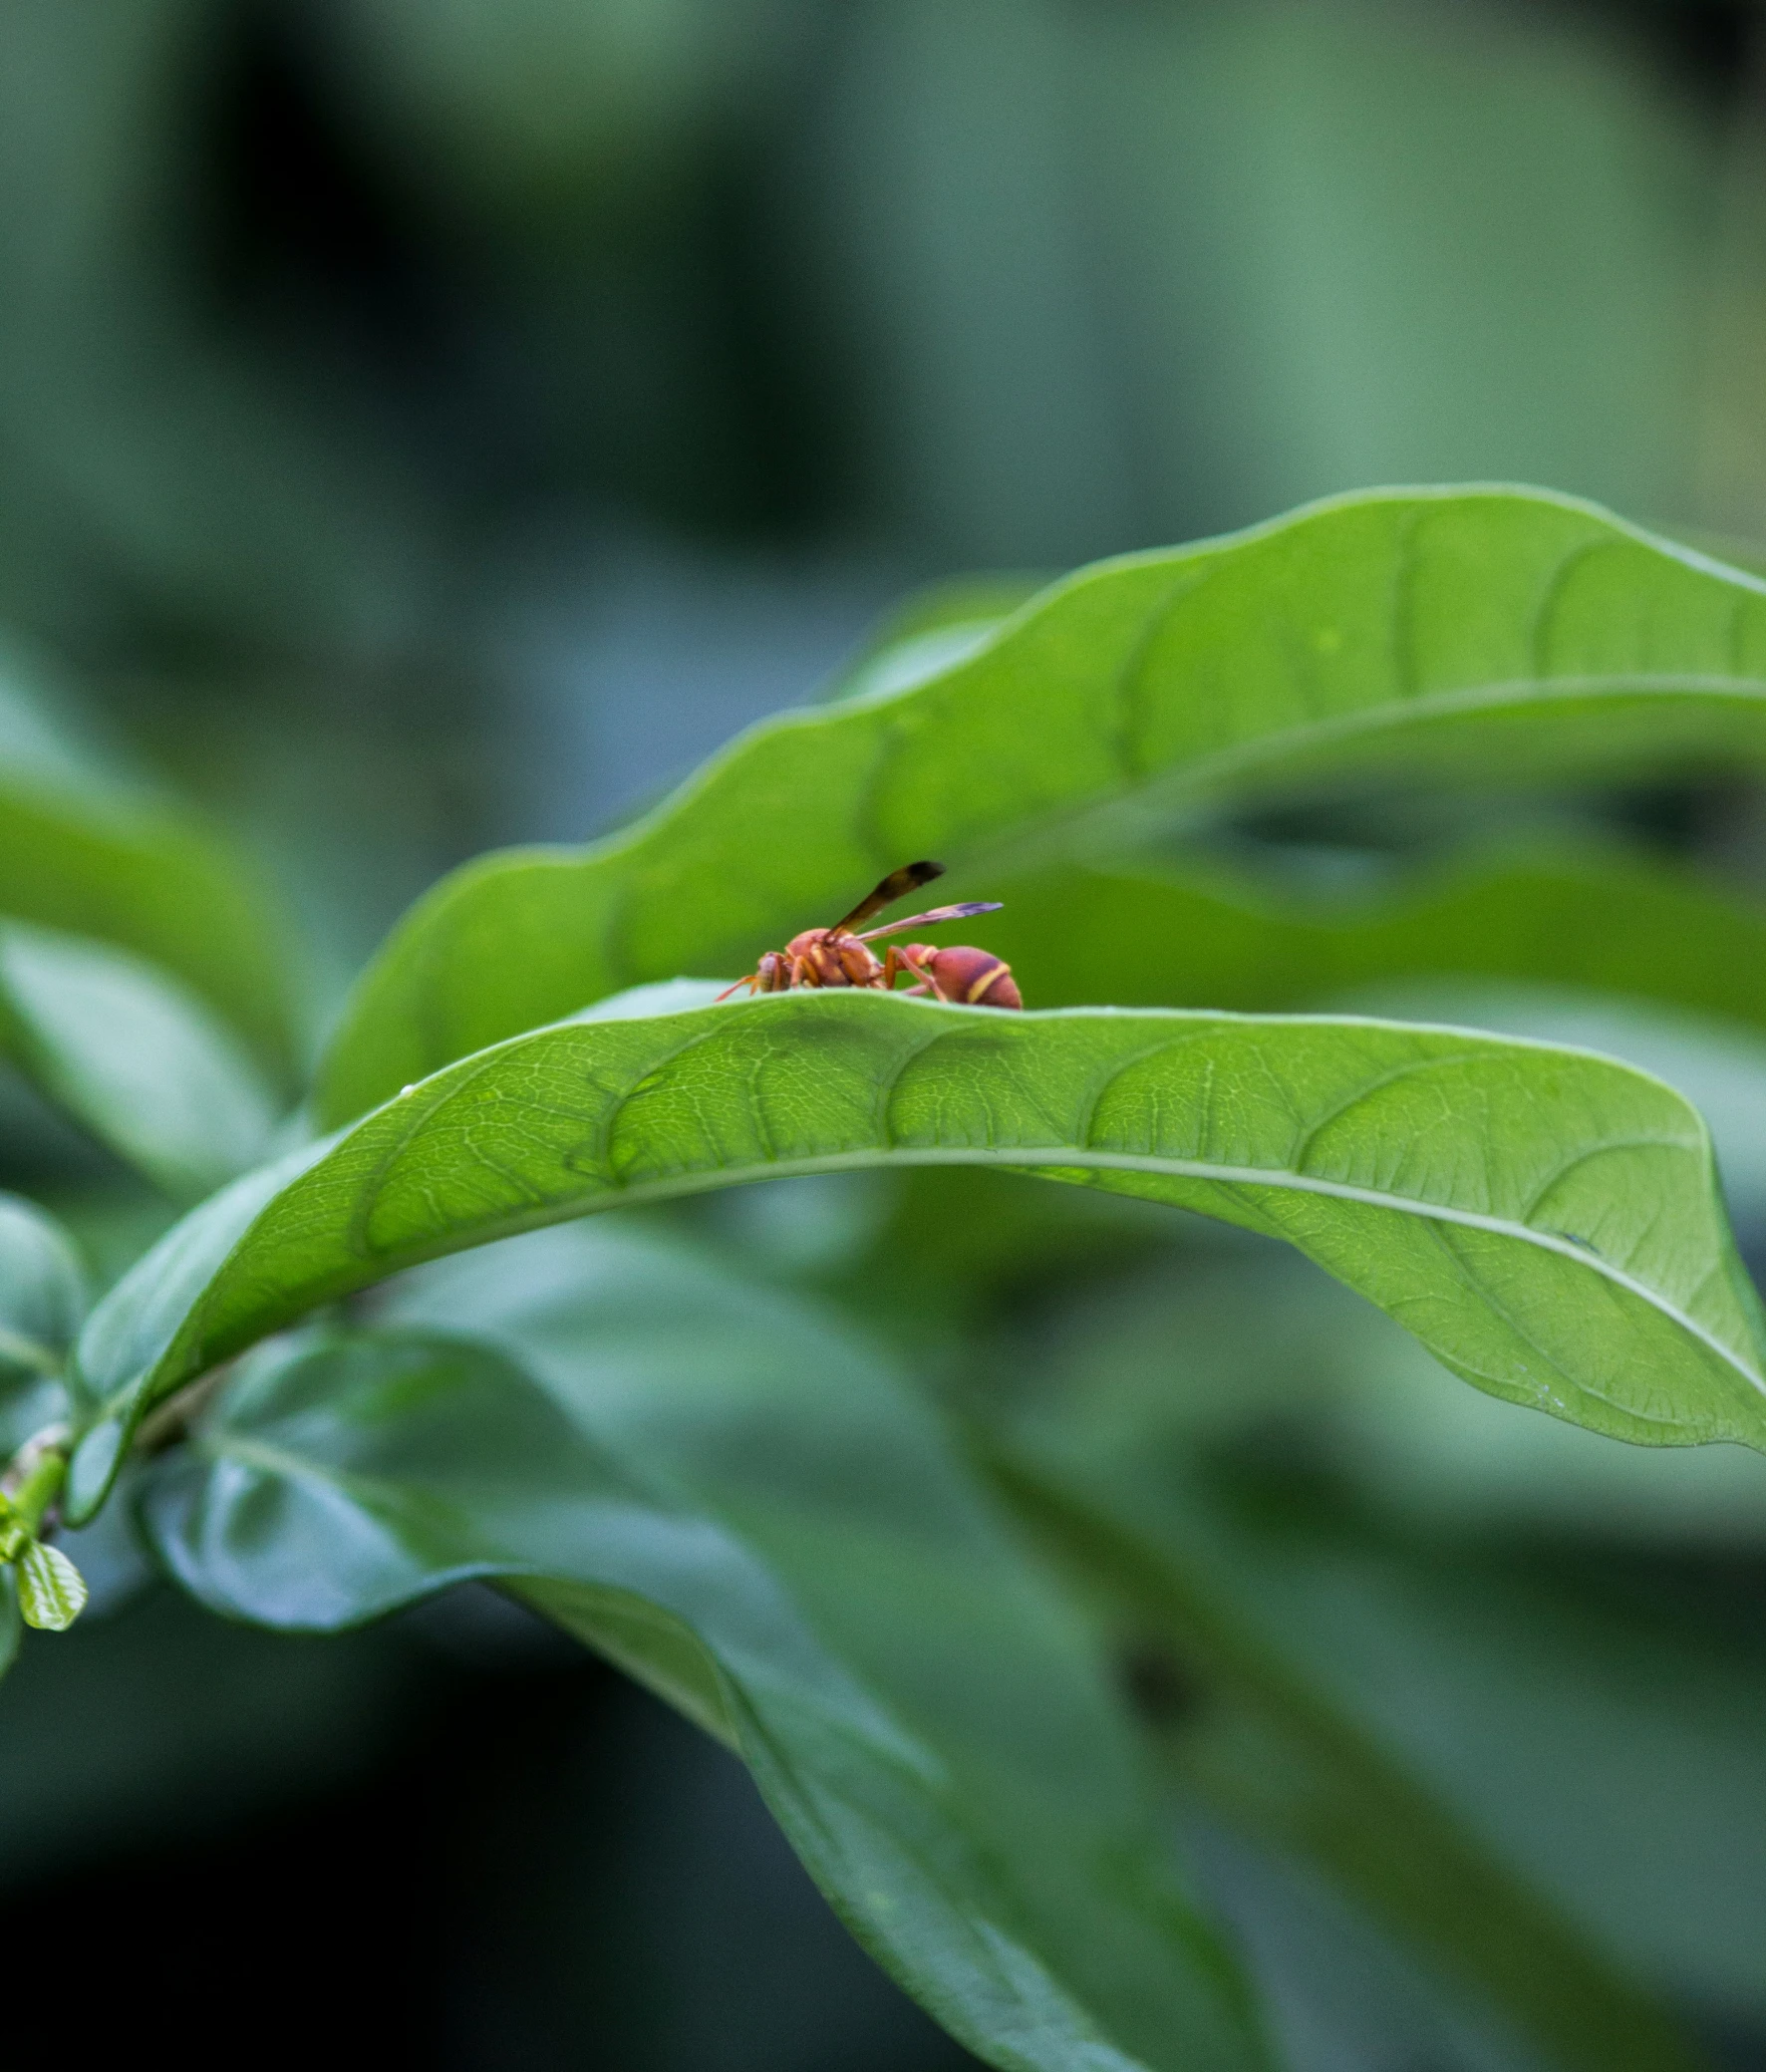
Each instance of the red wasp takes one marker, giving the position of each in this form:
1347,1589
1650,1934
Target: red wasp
839,957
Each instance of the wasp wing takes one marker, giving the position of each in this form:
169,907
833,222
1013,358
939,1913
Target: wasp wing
897,885
956,913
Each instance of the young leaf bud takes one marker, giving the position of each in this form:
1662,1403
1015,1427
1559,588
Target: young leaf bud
51,1590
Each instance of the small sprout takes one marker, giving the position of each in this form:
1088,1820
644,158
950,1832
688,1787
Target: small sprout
51,1590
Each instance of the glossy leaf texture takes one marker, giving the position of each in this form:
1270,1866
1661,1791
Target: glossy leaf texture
1545,1221
1270,1754
87,852
783,1544
134,1056
1484,631
1600,917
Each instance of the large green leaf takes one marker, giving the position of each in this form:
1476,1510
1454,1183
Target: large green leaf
1545,1221
1492,632
134,1055
741,1504
85,851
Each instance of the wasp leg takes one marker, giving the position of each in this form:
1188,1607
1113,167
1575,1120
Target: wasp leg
750,982
898,960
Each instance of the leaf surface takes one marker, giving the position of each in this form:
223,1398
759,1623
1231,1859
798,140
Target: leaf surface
779,1540
1483,631
134,1055
1545,1221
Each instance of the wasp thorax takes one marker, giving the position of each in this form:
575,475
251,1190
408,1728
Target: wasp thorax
827,956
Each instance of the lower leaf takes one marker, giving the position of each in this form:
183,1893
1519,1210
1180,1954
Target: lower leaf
739,1503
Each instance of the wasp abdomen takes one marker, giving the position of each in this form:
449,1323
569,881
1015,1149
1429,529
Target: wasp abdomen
974,978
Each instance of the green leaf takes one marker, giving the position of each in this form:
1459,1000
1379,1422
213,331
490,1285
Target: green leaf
134,1055
1601,918
1545,1221
83,852
1487,631
42,1290
743,1506
51,1590
1273,1754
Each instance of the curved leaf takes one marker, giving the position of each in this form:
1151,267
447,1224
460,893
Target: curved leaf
1489,631
783,1546
134,1055
1545,1221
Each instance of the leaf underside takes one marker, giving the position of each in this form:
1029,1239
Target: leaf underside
787,1548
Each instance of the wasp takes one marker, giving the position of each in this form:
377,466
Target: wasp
839,956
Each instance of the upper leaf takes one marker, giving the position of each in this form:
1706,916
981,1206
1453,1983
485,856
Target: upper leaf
1486,630
785,1547
1545,1221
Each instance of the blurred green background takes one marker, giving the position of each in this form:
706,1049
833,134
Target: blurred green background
427,423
